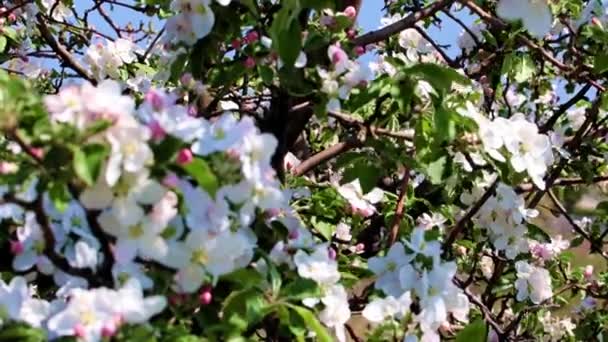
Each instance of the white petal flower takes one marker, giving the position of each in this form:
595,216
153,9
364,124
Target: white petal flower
535,15
390,307
317,266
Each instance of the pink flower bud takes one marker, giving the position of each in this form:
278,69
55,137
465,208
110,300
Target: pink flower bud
176,299
271,213
109,330
293,235
171,180
184,156
8,168
350,12
328,21
3,10
360,247
186,80
158,133
233,154
331,253
205,297
359,50
595,21
16,247
249,62
192,111
337,54
80,331
37,152
351,33
236,44
588,272
12,17
155,99
252,37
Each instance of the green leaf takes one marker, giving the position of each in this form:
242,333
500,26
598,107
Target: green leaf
474,332
367,173
440,78
523,69
537,233
3,42
87,162
266,74
299,289
602,208
244,308
286,33
577,241
445,126
203,175
600,63
21,333
60,196
436,169
250,4
244,278
324,228
313,323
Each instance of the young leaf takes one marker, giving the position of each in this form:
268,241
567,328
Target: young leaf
313,323
474,332
203,175
87,162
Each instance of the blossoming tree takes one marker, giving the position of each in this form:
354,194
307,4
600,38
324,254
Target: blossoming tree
233,170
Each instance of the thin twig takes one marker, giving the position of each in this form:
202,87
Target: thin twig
398,26
469,215
399,209
65,55
325,155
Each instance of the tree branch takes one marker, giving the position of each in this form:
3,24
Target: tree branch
65,55
398,26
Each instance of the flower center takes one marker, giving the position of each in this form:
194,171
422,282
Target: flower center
130,148
136,231
200,257
87,317
219,134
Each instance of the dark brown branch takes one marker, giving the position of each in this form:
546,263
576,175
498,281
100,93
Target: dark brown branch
527,187
564,107
399,209
326,155
398,26
593,244
353,121
498,23
575,142
468,216
65,55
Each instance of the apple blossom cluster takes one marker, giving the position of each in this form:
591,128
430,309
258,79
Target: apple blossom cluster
361,204
89,315
106,59
414,272
322,267
535,15
515,139
345,75
193,20
204,238
533,282
504,215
